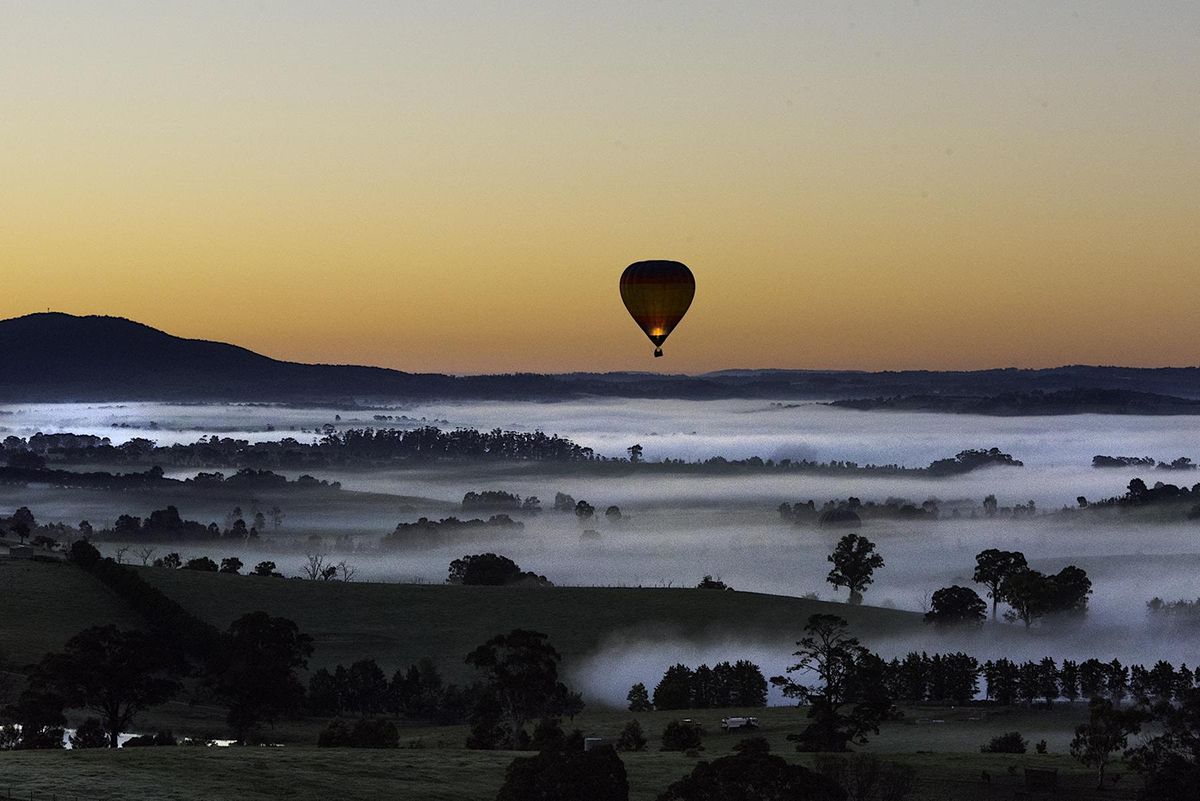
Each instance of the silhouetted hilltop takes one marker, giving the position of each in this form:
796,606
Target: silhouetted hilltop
60,357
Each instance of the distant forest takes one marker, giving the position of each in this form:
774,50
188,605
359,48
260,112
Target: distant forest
366,447
1035,402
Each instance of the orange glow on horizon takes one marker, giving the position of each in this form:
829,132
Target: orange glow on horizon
927,186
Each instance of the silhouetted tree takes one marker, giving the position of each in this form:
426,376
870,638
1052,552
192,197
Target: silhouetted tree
256,676
114,673
1105,733
854,564
829,652
519,671
1170,762
639,699
990,505
956,606
992,567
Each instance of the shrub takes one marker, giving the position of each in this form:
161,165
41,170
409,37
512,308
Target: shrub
681,735
149,740
597,775
366,733
865,776
90,734
631,737
1009,743
753,773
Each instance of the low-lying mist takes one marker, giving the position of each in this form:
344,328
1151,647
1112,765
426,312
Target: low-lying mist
678,528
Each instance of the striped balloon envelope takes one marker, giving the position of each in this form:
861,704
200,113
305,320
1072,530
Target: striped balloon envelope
657,295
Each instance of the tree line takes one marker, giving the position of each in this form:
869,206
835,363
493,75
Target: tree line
725,684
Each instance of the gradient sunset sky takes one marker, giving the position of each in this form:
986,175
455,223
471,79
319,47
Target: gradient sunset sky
457,186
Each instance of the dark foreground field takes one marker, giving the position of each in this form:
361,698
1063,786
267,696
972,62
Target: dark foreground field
398,624
312,774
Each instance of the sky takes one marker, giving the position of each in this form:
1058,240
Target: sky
457,186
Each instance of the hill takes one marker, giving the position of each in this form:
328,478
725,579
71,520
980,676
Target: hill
1037,402
61,357
400,623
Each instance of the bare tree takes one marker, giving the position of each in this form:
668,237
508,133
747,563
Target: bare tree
346,572
145,554
315,566
120,554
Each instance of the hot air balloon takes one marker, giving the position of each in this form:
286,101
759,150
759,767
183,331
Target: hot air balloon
657,294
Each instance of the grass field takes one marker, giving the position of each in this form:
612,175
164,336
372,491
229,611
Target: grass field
311,774
398,624
42,605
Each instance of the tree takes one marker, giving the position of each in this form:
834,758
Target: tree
854,564
315,567
520,673
1069,590
674,691
956,606
1033,595
24,517
171,561
1028,594
635,453
992,567
485,569
828,651
231,565
1170,762
639,699
114,673
202,564
1105,733
256,676
990,505
366,688
613,513
584,511
266,569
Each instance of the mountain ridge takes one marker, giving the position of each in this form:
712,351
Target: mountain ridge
54,356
